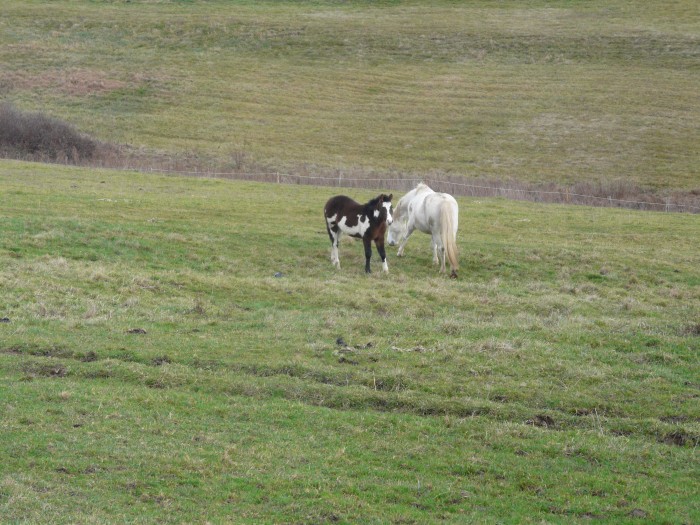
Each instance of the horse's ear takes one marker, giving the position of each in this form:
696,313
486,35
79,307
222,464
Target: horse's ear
391,196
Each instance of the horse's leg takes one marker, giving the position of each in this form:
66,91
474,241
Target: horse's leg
409,230
438,251
379,243
434,247
335,238
368,252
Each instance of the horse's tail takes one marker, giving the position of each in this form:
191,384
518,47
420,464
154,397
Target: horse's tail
448,232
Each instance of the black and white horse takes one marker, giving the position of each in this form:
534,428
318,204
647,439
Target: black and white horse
363,221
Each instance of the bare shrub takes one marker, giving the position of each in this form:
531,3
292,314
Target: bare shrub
36,136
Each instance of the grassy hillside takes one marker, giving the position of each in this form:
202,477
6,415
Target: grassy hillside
535,91
154,368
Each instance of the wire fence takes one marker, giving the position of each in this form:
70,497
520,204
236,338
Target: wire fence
459,187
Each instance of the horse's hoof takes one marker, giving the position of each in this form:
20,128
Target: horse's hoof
453,275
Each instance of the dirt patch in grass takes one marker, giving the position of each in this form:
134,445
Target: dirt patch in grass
156,383
541,420
45,370
89,357
691,330
680,439
161,360
73,82
52,351
673,419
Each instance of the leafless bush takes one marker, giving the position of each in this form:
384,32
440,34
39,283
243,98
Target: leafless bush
36,136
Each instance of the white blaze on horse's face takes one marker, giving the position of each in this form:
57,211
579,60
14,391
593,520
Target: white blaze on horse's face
389,218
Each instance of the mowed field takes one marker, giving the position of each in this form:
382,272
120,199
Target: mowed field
179,350
537,91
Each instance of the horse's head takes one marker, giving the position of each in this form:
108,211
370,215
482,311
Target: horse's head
395,232
382,208
397,228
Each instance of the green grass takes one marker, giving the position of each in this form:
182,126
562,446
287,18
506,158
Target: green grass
154,369
533,91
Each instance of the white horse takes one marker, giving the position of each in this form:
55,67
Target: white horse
430,212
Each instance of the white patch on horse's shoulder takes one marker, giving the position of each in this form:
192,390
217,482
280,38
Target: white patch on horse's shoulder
332,219
376,213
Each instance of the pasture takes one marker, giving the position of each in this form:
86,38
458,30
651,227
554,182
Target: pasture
564,92
153,367
179,350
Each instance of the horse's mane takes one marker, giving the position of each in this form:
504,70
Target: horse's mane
374,202
421,186
397,210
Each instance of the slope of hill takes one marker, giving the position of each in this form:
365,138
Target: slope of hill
542,92
181,350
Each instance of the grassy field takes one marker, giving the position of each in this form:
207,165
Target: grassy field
536,91
153,367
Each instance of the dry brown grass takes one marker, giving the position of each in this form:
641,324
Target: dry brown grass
73,82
